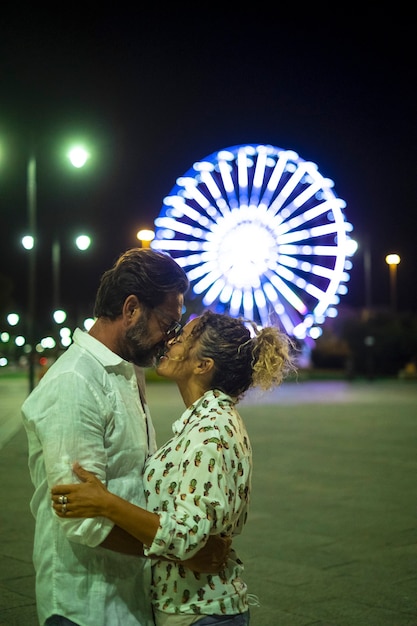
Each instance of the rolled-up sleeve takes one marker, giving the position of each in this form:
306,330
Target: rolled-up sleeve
70,427
203,477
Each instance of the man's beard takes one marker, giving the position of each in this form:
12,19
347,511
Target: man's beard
137,348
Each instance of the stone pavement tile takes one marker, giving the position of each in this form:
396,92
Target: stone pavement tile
11,598
273,615
388,565
12,567
21,584
19,545
20,616
331,584
351,613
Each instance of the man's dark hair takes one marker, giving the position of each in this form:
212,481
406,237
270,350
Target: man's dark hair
143,272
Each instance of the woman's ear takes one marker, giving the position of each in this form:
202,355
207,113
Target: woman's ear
204,366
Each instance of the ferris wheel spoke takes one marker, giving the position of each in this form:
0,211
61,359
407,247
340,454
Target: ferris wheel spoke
287,292
288,188
307,216
206,281
218,206
247,302
228,184
258,178
275,178
242,177
235,302
214,291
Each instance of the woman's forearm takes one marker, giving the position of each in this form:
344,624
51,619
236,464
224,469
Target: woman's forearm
133,519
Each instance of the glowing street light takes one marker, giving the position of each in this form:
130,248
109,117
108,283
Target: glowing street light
393,260
28,242
83,242
13,319
145,236
78,156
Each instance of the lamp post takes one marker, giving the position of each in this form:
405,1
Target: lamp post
82,242
78,157
393,260
31,208
367,264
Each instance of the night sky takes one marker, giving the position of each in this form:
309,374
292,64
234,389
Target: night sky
152,91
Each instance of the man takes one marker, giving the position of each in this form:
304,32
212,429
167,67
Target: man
90,407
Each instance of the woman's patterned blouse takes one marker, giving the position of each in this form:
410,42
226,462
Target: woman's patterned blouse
199,484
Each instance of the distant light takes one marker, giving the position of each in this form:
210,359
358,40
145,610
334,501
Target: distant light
145,235
59,316
48,342
351,246
88,323
78,156
28,242
299,331
3,361
315,332
4,337
13,319
20,340
83,242
392,259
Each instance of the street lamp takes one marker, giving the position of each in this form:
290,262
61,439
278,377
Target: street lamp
393,260
145,237
78,156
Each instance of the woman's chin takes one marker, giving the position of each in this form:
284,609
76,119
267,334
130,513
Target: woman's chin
159,368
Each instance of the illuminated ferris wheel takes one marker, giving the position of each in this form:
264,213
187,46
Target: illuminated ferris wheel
260,234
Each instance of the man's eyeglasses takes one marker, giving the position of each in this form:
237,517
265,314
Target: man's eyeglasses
170,329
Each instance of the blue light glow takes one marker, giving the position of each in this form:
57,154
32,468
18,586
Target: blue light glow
260,233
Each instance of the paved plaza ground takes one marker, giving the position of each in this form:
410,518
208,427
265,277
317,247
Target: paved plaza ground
332,534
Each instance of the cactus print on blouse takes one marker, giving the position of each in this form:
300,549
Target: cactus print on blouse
199,484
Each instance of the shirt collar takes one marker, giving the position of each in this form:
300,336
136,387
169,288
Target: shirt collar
105,356
193,412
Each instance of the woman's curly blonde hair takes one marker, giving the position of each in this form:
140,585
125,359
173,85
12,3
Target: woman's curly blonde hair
242,359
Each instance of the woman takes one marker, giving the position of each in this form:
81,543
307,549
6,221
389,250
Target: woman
198,483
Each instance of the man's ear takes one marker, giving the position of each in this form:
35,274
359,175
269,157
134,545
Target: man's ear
131,308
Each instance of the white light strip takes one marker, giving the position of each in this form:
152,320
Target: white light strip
206,282
211,185
288,188
226,177
288,294
177,226
242,172
235,302
274,179
213,292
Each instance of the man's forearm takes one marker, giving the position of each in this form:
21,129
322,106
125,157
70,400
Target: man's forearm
119,540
